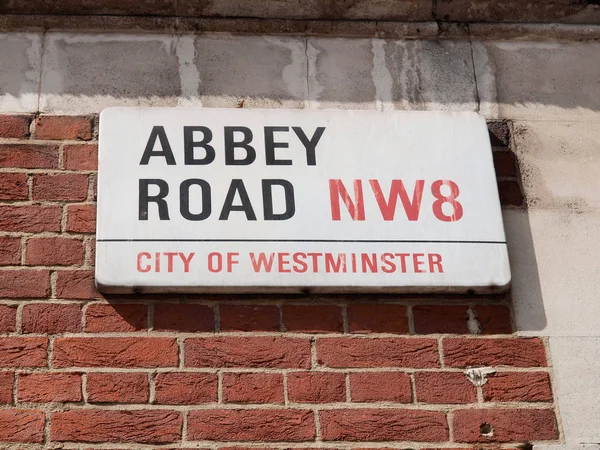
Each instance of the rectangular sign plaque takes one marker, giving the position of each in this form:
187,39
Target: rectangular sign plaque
234,200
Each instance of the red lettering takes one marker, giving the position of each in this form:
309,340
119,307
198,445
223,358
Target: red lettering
371,262
281,262
435,260
315,260
212,267
417,262
186,261
262,262
335,266
337,190
388,209
231,261
457,210
170,256
299,259
388,261
402,257
147,267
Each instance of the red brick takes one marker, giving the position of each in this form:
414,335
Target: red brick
186,388
101,318
24,283
494,319
7,381
51,318
383,425
289,425
54,252
523,352
377,318
382,352
13,186
185,318
253,387
77,284
268,352
440,319
518,387
249,318
380,387
444,388
92,248
505,163
142,426
16,127
30,218
8,318
29,156
23,352
250,448
49,387
510,193
68,187
94,186
22,425
507,425
80,157
10,251
313,318
316,387
63,127
106,387
115,352
81,218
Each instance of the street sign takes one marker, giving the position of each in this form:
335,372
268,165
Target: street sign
235,200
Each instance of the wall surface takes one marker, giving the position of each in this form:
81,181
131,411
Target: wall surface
86,371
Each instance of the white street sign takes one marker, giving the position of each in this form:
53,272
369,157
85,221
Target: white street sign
219,200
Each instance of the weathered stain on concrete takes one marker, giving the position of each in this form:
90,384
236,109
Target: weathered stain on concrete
267,72
546,81
87,73
431,75
560,164
20,57
344,73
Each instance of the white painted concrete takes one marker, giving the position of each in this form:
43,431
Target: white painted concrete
554,262
576,362
545,80
86,73
560,164
432,75
20,58
251,71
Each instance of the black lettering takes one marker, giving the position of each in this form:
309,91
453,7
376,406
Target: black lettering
230,146
237,185
290,205
184,199
189,144
159,199
310,145
271,145
167,153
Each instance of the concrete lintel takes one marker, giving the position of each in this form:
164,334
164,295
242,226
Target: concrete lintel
548,11
383,29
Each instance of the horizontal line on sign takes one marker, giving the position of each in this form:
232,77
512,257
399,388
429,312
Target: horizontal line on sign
368,241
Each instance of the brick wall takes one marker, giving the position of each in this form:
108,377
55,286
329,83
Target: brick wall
229,372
